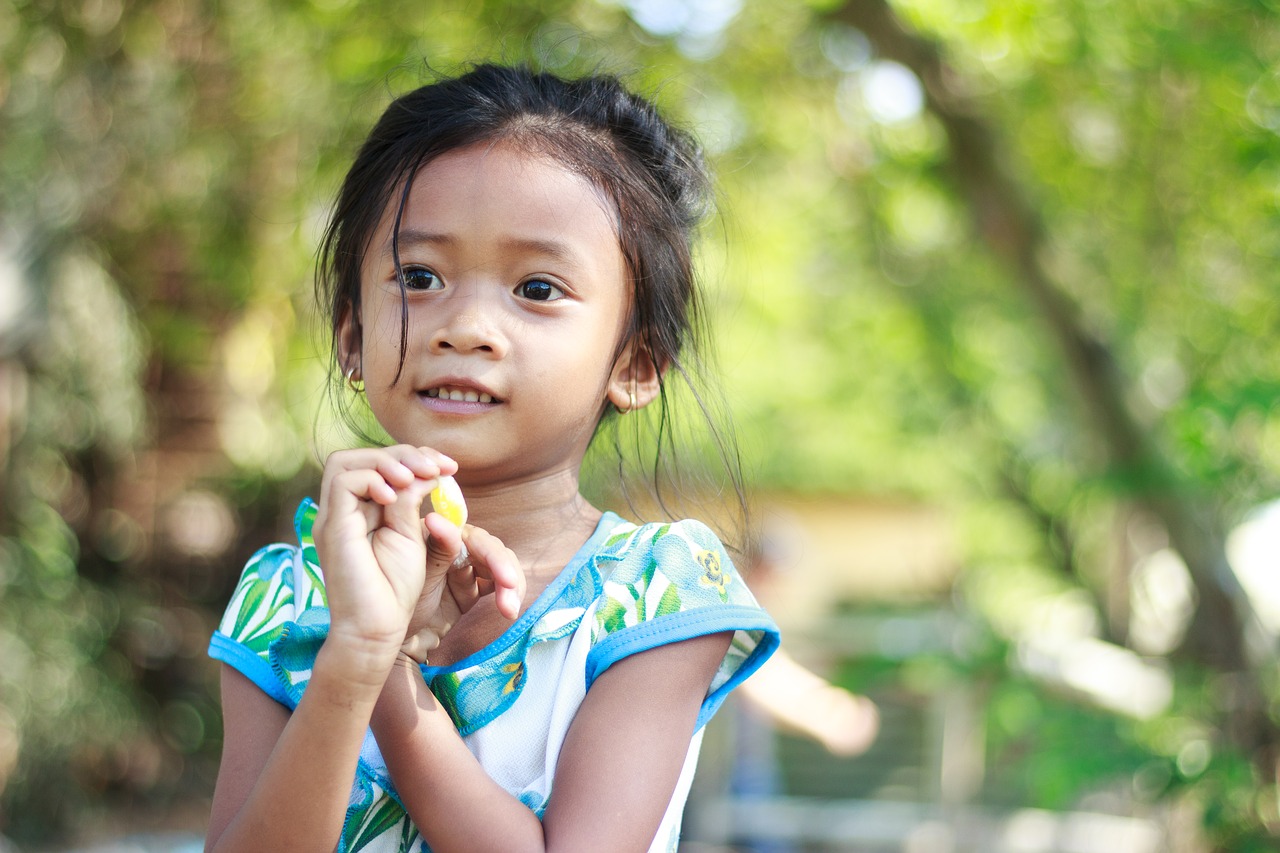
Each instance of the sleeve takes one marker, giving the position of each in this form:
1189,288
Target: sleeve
673,582
278,588
260,607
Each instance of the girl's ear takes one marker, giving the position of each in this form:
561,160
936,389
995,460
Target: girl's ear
636,379
349,339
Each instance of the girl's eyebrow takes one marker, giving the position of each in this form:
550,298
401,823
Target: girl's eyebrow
555,249
410,237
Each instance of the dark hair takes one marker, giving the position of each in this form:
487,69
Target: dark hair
651,172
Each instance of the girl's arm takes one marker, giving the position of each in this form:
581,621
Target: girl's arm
609,795
259,803
285,779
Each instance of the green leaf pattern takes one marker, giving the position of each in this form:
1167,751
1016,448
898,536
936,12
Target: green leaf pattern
263,600
629,603
376,823
310,592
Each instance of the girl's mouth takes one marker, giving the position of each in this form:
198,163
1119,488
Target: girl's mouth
460,395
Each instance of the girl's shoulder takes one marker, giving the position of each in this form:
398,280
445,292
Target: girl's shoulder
684,556
667,582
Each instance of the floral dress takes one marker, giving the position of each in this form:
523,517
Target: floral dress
628,589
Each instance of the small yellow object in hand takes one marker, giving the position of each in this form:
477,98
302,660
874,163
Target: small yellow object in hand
446,499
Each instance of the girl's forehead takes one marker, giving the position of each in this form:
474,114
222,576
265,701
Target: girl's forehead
506,183
500,190
509,167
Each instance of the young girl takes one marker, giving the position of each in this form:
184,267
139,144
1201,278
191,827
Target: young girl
508,264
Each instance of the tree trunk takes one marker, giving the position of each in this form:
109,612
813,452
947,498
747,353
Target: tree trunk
1014,233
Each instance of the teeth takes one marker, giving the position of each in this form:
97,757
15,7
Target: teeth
459,395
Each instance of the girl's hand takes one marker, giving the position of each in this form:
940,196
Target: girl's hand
452,586
371,543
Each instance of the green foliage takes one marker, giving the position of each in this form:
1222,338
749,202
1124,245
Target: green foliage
1027,730
165,167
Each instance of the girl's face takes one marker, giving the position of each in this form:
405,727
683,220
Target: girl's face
517,297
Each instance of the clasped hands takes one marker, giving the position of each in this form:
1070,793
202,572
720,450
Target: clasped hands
392,577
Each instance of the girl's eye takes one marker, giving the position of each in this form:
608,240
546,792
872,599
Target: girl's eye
418,278
539,290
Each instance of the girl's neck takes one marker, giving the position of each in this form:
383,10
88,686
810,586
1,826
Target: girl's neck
544,521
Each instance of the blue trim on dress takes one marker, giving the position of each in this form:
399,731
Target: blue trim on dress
248,664
383,780
686,625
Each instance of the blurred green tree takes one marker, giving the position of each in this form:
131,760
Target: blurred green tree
1015,258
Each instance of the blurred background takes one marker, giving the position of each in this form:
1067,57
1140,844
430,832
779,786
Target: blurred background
994,286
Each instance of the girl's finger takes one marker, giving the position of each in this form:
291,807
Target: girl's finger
509,599
424,462
349,488
444,464
498,565
404,515
462,583
394,471
367,493
489,562
399,464
444,543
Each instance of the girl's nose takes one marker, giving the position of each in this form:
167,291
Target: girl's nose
470,325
